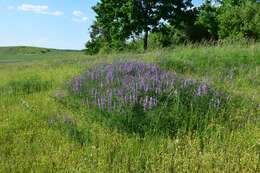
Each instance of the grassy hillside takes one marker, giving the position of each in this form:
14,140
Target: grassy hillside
23,50
39,134
23,53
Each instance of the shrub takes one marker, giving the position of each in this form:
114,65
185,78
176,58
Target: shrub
93,47
140,97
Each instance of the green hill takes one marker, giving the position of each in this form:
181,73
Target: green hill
23,50
26,53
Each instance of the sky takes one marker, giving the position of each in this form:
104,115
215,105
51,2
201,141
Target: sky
61,24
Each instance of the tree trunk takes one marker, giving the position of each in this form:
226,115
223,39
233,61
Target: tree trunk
146,39
146,28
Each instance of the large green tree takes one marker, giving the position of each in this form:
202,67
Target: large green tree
112,25
118,20
113,19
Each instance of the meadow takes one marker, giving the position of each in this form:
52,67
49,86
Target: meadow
38,133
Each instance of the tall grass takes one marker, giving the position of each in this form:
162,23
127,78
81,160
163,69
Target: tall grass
40,134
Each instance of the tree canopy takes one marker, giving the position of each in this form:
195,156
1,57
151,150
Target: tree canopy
119,23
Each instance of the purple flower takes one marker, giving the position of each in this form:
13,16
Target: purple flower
76,84
146,103
99,103
121,84
151,103
202,90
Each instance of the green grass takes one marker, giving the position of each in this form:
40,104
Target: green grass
39,134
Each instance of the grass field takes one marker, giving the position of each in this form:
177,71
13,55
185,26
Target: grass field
39,134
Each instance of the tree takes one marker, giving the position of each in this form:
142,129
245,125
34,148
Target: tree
207,18
118,20
112,25
239,19
176,17
157,15
231,2
145,16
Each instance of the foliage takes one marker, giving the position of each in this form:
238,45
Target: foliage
207,18
93,46
241,20
121,25
112,26
118,21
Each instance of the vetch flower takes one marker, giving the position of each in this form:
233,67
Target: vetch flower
121,84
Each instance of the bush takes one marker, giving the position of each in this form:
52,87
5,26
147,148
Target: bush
93,47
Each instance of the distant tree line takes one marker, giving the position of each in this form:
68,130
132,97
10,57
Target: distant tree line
128,24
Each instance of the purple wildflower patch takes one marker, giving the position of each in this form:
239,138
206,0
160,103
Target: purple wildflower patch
119,85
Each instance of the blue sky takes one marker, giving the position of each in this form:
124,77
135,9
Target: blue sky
47,23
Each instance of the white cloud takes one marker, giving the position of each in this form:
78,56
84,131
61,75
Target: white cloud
78,13
41,9
10,7
38,9
57,13
79,20
79,16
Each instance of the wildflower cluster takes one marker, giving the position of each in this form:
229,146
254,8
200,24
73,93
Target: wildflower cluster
116,86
